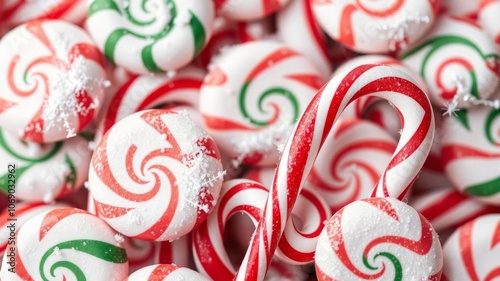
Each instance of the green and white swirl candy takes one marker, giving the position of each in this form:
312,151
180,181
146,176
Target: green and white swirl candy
150,36
44,172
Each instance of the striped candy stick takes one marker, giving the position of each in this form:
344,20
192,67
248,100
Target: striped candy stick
297,245
309,135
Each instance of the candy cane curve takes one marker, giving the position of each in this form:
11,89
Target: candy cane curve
309,134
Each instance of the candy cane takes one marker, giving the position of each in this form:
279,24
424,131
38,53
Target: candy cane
297,245
310,133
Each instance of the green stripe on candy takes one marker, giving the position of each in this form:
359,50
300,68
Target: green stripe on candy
437,43
199,35
398,269
489,123
279,91
101,5
461,116
98,249
52,152
4,180
131,18
484,189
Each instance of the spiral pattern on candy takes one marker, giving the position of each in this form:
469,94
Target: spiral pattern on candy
252,97
375,26
165,272
351,161
155,158
310,133
165,35
51,80
44,172
16,12
143,92
247,10
488,18
391,241
67,244
471,143
448,208
471,252
240,195
23,212
298,29
457,56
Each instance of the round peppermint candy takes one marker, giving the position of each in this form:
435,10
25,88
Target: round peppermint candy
66,244
155,175
52,80
150,36
457,60
44,172
378,238
470,152
375,26
252,97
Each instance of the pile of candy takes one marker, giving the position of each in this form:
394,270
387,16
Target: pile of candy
360,139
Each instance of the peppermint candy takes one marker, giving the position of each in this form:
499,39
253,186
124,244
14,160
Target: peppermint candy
44,172
375,27
150,36
470,148
155,175
351,162
457,60
66,244
252,97
390,241
52,80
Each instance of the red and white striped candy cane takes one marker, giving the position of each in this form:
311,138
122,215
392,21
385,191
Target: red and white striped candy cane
297,245
309,134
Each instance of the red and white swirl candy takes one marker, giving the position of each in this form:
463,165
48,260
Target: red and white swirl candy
375,26
298,28
378,238
155,175
165,272
45,172
457,58
354,156
470,147
150,36
16,12
143,253
489,19
448,208
310,133
252,97
238,10
23,212
142,92
296,246
52,80
66,244
471,252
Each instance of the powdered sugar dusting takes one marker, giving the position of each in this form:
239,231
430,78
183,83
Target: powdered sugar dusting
65,90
